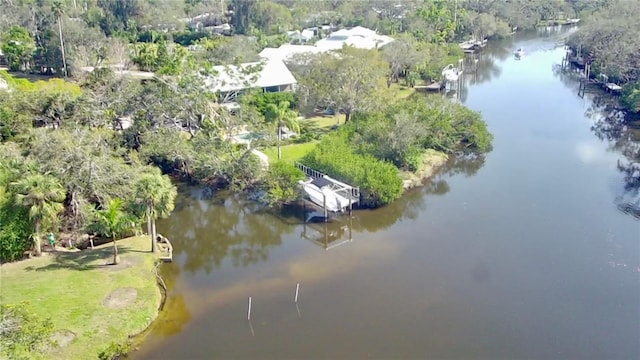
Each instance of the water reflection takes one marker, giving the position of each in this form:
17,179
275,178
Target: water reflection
207,231
622,131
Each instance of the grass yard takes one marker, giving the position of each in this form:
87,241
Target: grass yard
325,121
400,92
74,290
292,152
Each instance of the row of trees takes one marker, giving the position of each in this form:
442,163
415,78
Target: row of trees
611,40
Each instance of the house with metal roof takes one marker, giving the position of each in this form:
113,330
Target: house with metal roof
268,75
358,37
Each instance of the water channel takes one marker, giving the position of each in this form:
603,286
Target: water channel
525,254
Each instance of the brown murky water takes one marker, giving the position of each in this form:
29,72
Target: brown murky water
523,255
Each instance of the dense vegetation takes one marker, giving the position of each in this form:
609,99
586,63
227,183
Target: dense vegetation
610,40
87,146
369,150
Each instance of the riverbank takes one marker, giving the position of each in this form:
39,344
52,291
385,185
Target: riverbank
432,160
91,304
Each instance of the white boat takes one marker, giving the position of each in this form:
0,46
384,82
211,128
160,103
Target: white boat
320,192
451,73
519,52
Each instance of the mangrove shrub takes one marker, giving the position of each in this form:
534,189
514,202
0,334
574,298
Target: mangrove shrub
281,183
378,180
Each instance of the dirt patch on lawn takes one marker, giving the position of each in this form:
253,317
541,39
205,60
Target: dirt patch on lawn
62,338
123,264
120,298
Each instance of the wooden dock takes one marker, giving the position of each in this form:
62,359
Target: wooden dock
436,86
165,249
471,46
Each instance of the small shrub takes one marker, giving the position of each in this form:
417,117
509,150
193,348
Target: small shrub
115,351
22,332
379,181
281,183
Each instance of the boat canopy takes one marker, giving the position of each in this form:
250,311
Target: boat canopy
321,182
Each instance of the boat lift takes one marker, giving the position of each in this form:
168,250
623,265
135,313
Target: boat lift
325,185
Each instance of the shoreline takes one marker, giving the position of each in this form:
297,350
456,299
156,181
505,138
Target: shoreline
93,306
431,162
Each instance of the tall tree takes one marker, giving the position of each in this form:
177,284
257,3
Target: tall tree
355,82
42,194
282,115
156,195
19,48
113,222
58,10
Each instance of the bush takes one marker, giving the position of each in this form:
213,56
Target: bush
379,181
21,332
262,100
631,96
281,183
115,351
15,231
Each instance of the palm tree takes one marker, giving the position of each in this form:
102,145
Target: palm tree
58,10
282,115
113,222
43,195
156,195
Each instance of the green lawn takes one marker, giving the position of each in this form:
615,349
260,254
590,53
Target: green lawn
290,152
325,121
70,287
399,92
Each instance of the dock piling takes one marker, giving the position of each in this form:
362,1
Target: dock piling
249,310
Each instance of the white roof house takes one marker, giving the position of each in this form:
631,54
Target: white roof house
270,75
287,51
358,37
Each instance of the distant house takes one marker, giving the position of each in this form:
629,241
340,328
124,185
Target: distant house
303,36
358,37
268,75
287,51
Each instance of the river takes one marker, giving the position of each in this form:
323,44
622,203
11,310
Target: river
525,254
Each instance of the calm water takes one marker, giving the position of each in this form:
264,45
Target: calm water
523,255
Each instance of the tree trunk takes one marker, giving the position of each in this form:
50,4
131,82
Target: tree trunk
116,257
279,137
347,117
150,232
154,234
37,246
64,59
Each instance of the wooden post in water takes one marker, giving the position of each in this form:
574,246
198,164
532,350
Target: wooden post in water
249,310
350,201
324,205
295,300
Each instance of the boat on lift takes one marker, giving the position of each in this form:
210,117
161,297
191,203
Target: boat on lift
451,73
320,193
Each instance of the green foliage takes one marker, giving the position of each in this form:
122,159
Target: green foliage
15,230
115,351
22,333
403,130
261,100
615,49
355,83
631,96
113,221
281,183
379,181
19,48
